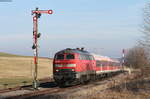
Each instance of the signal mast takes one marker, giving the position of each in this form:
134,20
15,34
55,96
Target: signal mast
37,14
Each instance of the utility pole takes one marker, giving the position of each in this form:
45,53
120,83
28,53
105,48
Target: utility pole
37,14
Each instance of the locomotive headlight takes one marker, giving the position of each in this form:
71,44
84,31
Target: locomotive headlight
57,70
71,65
58,65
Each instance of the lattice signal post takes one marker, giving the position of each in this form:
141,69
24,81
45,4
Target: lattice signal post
37,14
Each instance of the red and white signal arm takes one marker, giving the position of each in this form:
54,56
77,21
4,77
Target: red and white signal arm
43,11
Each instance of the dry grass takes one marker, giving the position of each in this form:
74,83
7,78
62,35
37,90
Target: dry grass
119,95
133,89
15,69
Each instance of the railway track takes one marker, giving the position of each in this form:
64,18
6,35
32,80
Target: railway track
41,81
49,88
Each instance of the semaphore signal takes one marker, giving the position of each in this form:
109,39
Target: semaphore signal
37,14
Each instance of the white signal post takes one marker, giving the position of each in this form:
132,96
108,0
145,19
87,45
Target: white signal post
37,13
123,57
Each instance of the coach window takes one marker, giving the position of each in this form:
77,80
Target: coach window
98,63
60,56
112,63
104,63
70,56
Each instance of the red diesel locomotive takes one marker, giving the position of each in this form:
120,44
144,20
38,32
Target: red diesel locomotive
77,65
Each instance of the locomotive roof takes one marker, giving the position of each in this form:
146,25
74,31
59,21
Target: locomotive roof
81,51
68,50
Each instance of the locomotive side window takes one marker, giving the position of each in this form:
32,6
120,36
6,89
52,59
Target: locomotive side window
70,56
82,57
90,57
85,57
60,56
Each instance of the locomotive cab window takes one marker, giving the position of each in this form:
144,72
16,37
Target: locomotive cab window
70,56
60,56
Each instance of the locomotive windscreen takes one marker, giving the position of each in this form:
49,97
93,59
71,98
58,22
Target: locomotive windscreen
69,56
60,56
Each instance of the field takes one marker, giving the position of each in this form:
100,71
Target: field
16,69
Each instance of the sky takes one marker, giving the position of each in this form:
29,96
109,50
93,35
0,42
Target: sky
103,27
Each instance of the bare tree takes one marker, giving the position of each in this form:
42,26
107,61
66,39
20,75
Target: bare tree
139,56
145,40
136,57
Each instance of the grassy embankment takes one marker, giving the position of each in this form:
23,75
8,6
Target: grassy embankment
15,69
133,86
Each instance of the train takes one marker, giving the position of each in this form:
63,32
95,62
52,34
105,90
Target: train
72,66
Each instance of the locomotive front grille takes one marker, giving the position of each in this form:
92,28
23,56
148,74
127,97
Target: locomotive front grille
65,74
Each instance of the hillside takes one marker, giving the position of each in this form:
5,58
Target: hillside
2,54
